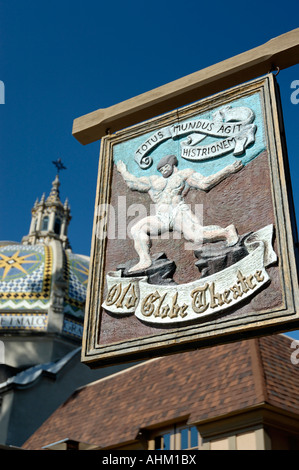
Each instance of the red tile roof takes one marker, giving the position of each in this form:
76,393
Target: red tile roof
201,385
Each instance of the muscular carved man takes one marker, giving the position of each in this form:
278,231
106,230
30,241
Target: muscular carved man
172,213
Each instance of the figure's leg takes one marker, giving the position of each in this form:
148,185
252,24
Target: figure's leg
214,233
188,224
141,233
193,230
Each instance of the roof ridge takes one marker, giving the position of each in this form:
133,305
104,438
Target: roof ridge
32,373
258,370
119,372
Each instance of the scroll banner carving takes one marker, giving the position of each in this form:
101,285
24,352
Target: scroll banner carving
233,125
166,304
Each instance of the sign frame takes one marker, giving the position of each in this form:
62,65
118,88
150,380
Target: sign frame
210,332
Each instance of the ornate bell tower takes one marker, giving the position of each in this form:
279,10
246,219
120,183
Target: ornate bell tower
50,218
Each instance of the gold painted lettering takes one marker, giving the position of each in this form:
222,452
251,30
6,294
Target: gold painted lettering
250,284
132,299
216,298
241,280
164,311
183,312
259,276
236,290
119,303
226,295
150,307
122,298
157,311
174,311
147,305
199,300
113,294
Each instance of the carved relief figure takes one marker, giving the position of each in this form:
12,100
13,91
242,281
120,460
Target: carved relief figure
229,267
171,212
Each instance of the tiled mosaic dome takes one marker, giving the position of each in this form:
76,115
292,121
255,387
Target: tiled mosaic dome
42,282
76,276
26,274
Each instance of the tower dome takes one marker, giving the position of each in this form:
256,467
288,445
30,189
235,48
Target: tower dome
42,282
50,219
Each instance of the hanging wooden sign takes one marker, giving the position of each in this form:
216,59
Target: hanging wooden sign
193,240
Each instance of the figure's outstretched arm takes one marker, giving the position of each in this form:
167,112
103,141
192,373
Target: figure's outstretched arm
198,181
136,184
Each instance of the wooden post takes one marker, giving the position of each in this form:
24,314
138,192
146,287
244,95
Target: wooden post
280,52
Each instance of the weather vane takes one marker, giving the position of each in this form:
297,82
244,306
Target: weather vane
59,165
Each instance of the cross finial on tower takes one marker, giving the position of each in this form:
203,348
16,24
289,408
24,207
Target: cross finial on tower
59,165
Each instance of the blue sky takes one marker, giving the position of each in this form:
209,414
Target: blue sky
63,59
